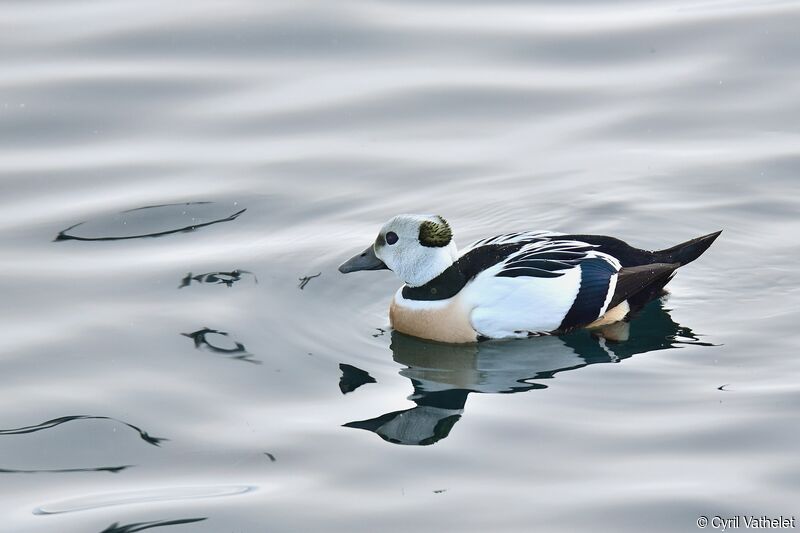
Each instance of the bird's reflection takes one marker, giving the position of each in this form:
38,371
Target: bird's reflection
352,378
444,375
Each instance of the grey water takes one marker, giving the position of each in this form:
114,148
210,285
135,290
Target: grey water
171,173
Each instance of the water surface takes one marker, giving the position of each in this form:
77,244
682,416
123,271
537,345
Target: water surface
174,376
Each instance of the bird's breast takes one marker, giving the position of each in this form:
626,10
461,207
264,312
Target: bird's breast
438,320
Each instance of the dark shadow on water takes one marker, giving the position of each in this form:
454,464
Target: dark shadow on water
444,375
141,526
155,441
150,221
216,278
110,469
352,378
237,352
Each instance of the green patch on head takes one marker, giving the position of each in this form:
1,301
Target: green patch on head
435,234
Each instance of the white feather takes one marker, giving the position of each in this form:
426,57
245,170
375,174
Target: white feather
612,286
509,238
512,307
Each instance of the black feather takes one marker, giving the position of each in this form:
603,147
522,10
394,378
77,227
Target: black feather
528,272
688,251
448,283
595,280
548,260
629,256
626,254
633,280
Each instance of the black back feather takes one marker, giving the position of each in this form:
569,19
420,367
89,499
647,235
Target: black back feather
632,280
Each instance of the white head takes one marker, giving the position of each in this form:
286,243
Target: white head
416,247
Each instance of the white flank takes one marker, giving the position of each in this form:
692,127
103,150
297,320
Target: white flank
512,307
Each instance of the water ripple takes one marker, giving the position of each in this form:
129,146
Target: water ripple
110,469
145,436
141,526
167,219
167,494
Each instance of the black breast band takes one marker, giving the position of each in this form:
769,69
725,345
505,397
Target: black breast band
451,281
444,286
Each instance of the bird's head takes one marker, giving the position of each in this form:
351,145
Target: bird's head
415,247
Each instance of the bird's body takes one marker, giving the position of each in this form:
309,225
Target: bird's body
513,285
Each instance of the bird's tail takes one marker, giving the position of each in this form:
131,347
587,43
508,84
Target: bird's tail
688,251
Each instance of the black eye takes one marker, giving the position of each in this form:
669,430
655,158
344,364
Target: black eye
391,237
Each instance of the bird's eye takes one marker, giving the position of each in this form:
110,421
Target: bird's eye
391,237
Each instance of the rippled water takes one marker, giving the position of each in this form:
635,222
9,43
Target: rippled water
186,382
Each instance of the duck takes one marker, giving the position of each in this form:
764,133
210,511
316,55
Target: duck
512,285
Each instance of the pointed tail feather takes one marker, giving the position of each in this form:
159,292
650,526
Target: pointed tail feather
688,251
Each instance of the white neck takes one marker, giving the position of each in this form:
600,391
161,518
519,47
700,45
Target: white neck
420,270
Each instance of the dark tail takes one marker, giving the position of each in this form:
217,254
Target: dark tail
688,251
